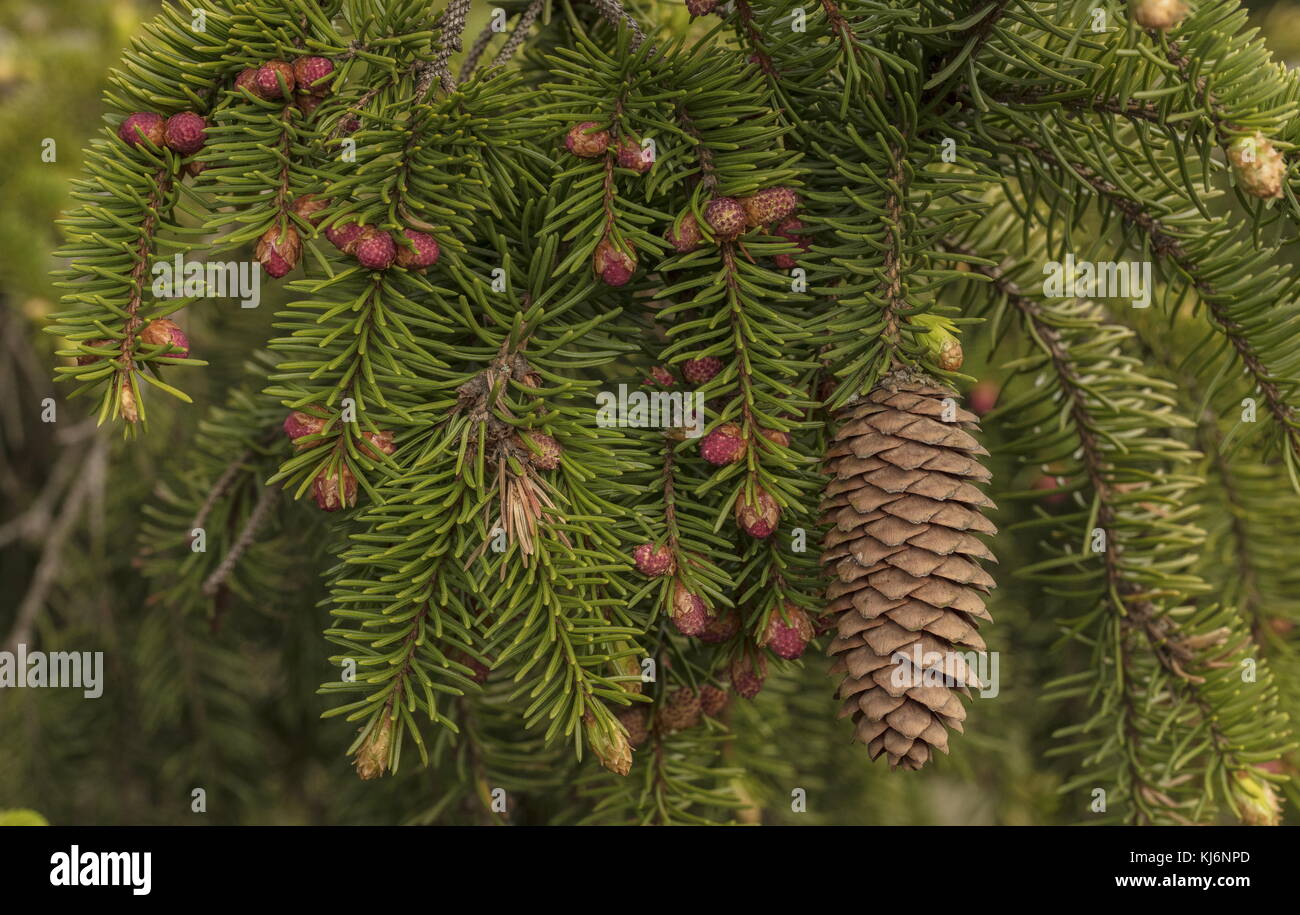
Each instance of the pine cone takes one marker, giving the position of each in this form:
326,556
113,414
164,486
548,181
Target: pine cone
903,512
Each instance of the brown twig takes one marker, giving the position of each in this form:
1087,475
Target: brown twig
220,488
163,180
1204,98
47,567
476,52
1133,109
893,281
708,173
265,502
517,36
613,12
755,39
453,25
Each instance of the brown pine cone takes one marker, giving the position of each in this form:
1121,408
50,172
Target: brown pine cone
904,512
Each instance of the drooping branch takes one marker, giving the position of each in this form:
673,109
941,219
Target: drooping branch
1177,651
1169,247
476,51
1133,109
265,502
220,488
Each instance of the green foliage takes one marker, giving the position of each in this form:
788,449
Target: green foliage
942,155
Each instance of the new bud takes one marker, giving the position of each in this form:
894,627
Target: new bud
185,132
613,266
278,250
375,249
681,710
334,491
1258,166
1159,14
726,217
418,252
633,155
345,236
298,425
788,631
700,371
760,517
612,748
372,758
377,443
586,141
636,720
690,616
686,237
748,671
654,561
308,208
1256,800
310,74
163,332
769,206
142,126
543,451
275,79
713,700
724,445
721,628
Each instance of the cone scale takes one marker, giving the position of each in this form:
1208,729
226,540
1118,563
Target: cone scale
906,587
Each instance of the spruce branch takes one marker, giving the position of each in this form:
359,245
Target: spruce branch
976,34
1170,247
703,155
892,301
840,27
265,503
476,51
1230,494
452,25
1071,99
223,485
1224,129
751,34
1196,649
519,34
496,519
613,12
